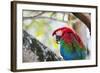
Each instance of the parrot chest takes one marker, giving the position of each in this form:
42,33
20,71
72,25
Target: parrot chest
70,53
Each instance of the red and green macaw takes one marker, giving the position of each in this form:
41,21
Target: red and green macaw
71,45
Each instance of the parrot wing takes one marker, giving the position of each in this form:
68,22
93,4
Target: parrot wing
77,46
74,49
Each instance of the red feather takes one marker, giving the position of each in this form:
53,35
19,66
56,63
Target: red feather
68,35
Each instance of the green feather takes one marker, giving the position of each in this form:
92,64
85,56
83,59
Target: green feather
72,46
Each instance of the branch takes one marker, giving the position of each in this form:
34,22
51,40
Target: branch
84,19
38,14
63,16
43,17
53,13
38,49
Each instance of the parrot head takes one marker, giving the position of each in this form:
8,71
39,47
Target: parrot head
67,34
58,33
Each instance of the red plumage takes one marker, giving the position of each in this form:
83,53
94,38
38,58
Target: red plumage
68,35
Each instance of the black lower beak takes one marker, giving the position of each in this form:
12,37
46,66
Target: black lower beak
58,39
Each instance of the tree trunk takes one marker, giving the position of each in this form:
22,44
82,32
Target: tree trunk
35,51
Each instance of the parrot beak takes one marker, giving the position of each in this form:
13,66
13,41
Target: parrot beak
58,34
58,39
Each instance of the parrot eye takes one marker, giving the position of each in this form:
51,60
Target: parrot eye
58,38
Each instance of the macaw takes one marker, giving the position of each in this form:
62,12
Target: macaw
71,45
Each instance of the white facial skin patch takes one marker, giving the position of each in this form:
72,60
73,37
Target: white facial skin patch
59,33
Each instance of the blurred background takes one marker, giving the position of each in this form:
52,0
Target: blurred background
41,25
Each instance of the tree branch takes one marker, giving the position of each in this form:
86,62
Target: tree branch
63,16
43,17
39,14
84,19
53,13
